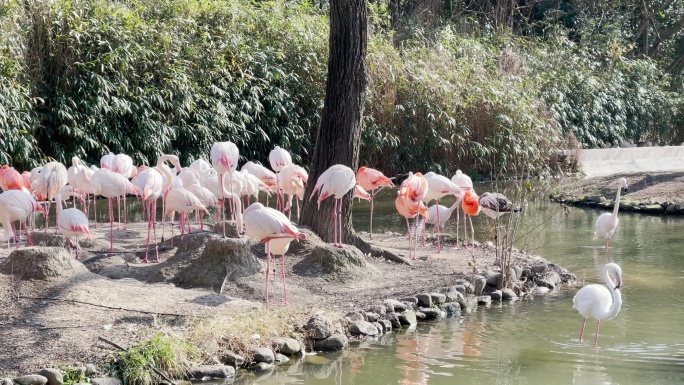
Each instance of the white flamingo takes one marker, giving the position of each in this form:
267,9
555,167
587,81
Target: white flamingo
438,187
608,222
595,300
224,157
72,223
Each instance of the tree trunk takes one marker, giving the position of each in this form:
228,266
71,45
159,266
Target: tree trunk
339,135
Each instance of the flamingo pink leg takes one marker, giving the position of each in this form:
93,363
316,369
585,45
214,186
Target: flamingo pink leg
28,237
598,323
408,226
370,230
439,243
111,226
268,269
582,332
118,208
415,240
282,273
154,230
149,228
339,221
223,199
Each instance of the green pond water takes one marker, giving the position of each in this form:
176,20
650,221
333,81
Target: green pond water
535,340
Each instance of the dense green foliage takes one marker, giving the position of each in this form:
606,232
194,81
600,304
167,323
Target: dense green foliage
145,77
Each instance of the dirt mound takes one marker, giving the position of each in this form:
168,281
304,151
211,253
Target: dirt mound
337,264
42,263
39,238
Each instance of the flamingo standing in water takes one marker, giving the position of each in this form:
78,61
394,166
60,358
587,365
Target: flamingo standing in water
17,205
72,223
111,185
595,300
337,181
279,158
608,222
371,179
224,157
274,229
440,186
149,183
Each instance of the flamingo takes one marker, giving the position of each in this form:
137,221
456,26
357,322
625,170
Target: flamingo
211,182
495,205
410,208
73,174
293,179
337,181
17,205
267,176
274,229
608,222
465,183
254,184
26,177
595,300
471,207
441,212
224,157
279,158
201,166
149,183
371,179
72,223
106,161
10,179
122,164
53,176
440,186
111,185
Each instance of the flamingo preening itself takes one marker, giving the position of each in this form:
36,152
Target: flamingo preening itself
72,223
608,222
336,181
438,187
409,204
17,205
149,183
224,157
271,227
371,180
279,158
595,300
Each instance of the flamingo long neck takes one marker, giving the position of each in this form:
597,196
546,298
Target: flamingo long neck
617,202
617,299
168,177
58,200
454,206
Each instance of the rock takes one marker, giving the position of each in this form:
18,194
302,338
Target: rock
363,328
355,316
54,376
453,294
337,264
516,272
42,263
484,300
431,313
550,280
116,381
202,371
424,300
492,278
231,229
6,381
394,305
312,241
452,309
379,309
496,295
380,327
508,294
438,298
49,239
409,301
652,209
372,317
263,367
393,318
672,209
594,199
408,318
232,359
320,327
90,370
478,283
32,379
420,316
288,346
281,358
469,303
386,325
332,344
262,355
468,287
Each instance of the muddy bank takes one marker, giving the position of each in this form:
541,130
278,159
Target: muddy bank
58,317
649,193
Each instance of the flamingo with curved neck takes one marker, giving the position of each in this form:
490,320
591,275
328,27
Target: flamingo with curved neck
595,300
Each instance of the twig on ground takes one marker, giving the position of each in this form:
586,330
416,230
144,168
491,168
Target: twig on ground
103,306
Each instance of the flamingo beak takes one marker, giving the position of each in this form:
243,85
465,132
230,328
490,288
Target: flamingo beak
619,282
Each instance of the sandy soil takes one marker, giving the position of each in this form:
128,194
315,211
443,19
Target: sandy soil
35,331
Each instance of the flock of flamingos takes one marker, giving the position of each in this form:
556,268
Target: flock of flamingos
203,185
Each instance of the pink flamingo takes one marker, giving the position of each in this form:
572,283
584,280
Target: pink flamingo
53,176
253,184
465,183
10,179
279,158
608,222
122,164
72,223
106,161
371,179
224,157
409,208
440,186
267,176
149,183
211,182
111,185
471,207
17,205
337,181
274,229
293,180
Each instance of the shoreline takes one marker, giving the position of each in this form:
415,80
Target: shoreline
127,311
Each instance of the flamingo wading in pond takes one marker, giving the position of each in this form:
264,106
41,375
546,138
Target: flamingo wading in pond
608,222
595,300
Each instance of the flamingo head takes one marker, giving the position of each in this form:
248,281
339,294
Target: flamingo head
623,183
40,208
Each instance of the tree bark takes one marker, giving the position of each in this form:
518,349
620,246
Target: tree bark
339,135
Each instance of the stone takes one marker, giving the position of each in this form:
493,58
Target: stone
231,228
380,327
393,305
355,316
469,303
496,295
49,239
386,325
263,367
262,355
452,309
652,209
288,346
424,300
232,359
379,309
90,370
594,199
110,380
408,318
453,294
32,379
336,264
332,344
393,318
42,263
363,328
6,381
54,376
320,327
484,300
372,317
420,316
492,278
508,294
671,209
312,240
461,288
431,313
281,358
438,298
549,280
468,287
201,372
409,301
478,283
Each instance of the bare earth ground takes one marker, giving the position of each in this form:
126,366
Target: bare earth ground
36,332
649,188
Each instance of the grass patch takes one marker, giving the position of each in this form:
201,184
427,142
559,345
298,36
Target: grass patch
74,376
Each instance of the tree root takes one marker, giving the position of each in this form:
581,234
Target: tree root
366,248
